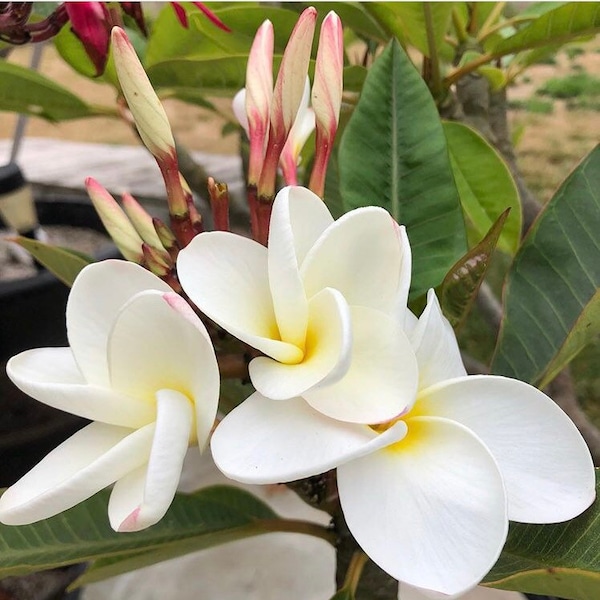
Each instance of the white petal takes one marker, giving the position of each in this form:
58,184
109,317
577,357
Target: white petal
265,441
401,308
430,510
51,376
153,346
435,345
546,466
98,293
142,498
382,380
87,462
327,352
239,109
361,256
303,216
226,276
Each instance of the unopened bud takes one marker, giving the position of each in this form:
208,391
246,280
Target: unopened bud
115,221
148,113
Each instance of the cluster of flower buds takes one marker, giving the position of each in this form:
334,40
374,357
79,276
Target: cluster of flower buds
278,120
91,22
154,129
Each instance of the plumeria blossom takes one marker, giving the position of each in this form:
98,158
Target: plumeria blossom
141,366
427,495
318,302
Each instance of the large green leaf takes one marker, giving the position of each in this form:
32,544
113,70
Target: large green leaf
25,91
355,16
560,560
557,26
211,516
485,185
63,263
552,297
393,154
408,22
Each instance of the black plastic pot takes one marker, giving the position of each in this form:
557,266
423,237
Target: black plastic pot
32,315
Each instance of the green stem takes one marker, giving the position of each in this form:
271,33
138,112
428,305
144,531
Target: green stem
491,18
514,21
468,68
355,569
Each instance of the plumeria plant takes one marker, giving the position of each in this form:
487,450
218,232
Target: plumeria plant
320,351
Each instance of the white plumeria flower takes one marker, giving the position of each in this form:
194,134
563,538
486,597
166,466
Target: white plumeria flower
318,302
428,495
142,367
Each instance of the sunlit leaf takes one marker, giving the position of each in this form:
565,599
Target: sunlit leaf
485,185
28,92
393,154
552,298
63,263
557,26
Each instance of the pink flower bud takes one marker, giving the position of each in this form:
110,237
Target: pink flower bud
327,95
148,113
90,23
287,96
115,221
259,92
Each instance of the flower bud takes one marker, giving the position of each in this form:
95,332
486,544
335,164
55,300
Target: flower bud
327,95
115,221
142,222
148,113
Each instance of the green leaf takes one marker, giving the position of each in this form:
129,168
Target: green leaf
63,263
393,154
552,297
72,51
27,92
355,16
559,560
485,185
557,26
460,285
406,21
203,519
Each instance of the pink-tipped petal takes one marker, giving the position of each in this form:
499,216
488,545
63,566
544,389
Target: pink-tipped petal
142,498
97,295
174,353
545,463
429,510
87,462
265,441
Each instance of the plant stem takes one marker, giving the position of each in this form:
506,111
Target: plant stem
436,80
298,526
357,564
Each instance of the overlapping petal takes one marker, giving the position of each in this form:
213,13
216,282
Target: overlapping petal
381,382
359,255
327,352
96,297
435,345
545,463
87,462
140,500
226,275
51,376
429,510
265,441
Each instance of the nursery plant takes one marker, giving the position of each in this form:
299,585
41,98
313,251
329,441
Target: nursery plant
320,349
